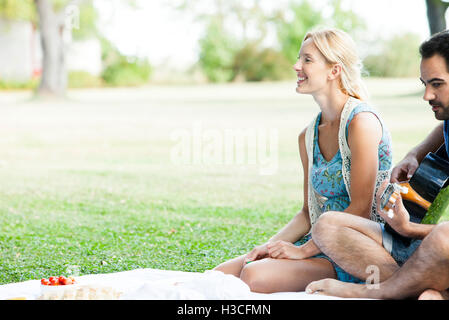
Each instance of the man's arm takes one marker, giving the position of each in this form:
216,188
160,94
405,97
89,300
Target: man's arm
418,231
405,169
400,221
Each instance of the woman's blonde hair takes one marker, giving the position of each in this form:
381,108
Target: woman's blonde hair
337,47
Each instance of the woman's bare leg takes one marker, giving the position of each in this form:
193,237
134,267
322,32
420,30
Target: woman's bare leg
284,275
233,266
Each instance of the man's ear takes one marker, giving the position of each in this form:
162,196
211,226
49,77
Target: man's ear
335,72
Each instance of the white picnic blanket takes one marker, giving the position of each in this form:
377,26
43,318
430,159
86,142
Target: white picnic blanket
153,284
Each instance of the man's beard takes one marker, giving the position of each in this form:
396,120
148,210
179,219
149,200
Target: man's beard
443,111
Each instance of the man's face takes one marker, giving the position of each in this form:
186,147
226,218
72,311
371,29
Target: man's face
435,77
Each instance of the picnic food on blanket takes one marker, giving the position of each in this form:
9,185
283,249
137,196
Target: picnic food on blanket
67,288
82,292
57,281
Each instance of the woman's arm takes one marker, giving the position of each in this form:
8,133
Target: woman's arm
364,136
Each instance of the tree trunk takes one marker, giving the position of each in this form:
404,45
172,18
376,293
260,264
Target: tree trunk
436,10
54,73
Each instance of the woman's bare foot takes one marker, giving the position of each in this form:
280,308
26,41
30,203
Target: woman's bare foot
431,294
336,288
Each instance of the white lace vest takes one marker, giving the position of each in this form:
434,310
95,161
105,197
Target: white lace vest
314,198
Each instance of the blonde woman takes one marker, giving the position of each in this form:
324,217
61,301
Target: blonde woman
345,153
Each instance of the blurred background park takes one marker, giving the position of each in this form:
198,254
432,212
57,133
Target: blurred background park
92,94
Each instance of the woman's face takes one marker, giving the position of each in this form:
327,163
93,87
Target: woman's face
312,69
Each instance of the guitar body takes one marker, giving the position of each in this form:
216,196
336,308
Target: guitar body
431,176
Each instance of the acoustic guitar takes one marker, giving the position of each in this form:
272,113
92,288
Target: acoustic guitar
424,186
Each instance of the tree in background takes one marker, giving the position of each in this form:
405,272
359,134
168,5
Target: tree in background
57,19
217,51
291,32
252,63
230,46
121,70
436,15
54,73
53,16
304,17
398,57
231,49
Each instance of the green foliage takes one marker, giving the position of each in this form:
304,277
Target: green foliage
127,72
306,17
26,10
224,58
13,85
345,20
217,51
255,64
18,10
399,57
83,79
291,33
120,70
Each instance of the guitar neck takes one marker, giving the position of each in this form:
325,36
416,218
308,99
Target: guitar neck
413,196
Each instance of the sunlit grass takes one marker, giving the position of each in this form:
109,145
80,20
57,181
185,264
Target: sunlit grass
90,182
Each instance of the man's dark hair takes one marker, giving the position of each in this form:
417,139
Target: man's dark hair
437,44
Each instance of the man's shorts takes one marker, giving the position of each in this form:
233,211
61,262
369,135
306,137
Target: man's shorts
399,247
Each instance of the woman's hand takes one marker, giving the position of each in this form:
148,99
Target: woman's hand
257,253
285,250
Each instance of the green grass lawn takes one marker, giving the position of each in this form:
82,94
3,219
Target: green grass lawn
90,184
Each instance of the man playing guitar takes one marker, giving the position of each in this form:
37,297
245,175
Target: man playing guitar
411,259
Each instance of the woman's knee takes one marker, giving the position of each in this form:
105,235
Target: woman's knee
252,276
233,266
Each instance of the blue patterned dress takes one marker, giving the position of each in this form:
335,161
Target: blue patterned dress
327,178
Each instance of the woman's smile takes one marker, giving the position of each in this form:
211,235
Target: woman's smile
301,79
